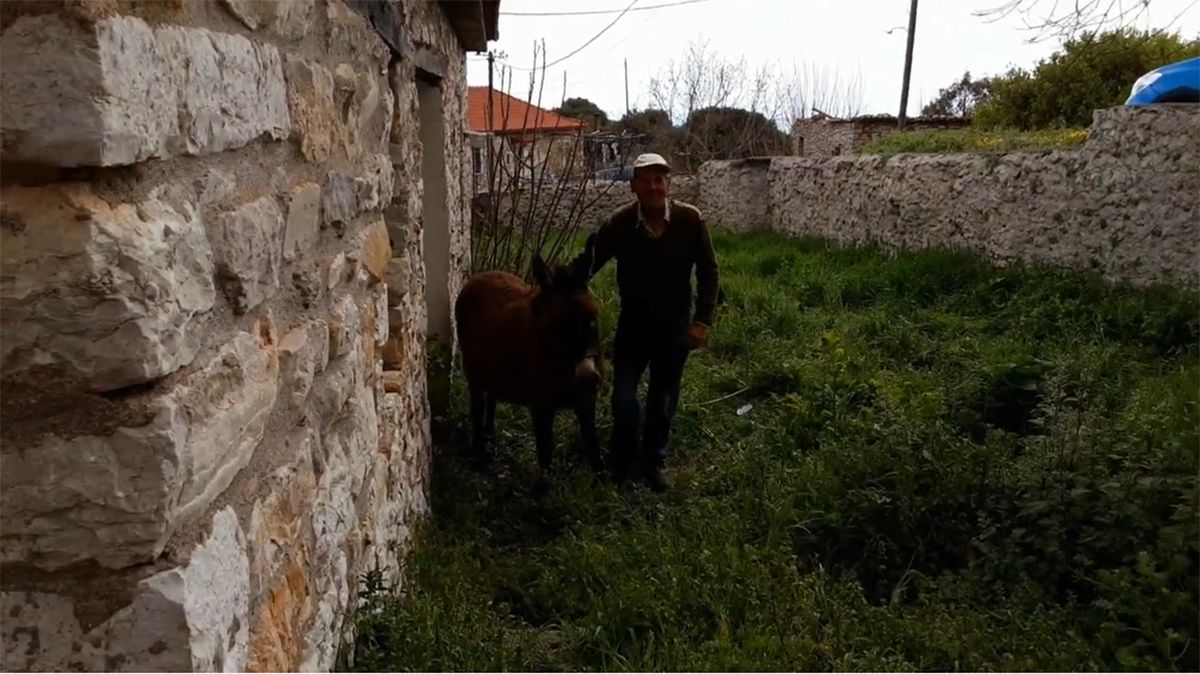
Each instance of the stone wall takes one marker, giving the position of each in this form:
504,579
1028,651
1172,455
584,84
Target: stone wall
825,137
213,411
1125,204
588,206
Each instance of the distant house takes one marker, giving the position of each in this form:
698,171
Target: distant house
528,142
822,136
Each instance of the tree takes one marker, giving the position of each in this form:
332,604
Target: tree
651,122
735,99
583,109
1092,71
960,98
704,79
730,133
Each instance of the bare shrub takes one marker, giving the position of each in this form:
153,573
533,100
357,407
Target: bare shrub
539,182
1050,19
722,108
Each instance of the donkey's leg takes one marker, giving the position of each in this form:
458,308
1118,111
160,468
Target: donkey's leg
543,437
489,416
585,415
478,396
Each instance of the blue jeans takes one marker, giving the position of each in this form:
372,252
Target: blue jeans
638,347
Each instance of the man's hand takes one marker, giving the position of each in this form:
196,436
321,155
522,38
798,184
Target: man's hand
697,336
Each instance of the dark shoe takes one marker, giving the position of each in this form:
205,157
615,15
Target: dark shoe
657,480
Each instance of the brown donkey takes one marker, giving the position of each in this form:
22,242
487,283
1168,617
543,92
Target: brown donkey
534,346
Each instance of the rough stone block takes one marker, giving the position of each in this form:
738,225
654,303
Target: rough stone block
367,115
309,277
303,220
350,32
371,250
333,389
291,19
375,120
345,197
112,294
348,447
345,324
116,499
303,354
382,315
336,273
125,92
282,546
248,246
215,186
382,175
190,618
313,113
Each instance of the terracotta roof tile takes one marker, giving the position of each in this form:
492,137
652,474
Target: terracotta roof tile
520,115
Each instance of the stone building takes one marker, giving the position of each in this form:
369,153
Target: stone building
529,143
226,229
822,136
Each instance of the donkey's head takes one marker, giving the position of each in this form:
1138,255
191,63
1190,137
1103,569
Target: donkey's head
569,315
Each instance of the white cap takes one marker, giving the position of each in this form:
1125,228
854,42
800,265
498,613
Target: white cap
650,159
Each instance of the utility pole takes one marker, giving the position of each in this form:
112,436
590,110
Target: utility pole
908,59
491,160
627,86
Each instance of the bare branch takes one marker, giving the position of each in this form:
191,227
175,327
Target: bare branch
724,108
538,181
1055,19
812,87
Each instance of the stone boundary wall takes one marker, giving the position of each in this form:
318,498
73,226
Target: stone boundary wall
213,408
1126,204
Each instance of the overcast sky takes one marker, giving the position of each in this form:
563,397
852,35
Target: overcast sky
844,37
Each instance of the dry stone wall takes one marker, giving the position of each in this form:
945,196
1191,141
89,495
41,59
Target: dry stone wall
213,406
1126,204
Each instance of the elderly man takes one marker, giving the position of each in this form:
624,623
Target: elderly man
656,241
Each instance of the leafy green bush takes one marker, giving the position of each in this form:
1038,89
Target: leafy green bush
1093,71
946,466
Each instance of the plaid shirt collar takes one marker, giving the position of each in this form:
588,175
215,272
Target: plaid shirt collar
642,218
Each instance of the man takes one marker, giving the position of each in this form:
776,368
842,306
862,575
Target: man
656,241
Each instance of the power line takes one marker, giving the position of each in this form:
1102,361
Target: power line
608,51
603,11
582,46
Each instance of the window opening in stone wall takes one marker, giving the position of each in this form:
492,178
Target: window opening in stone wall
476,161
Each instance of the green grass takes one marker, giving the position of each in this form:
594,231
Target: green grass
946,467
971,140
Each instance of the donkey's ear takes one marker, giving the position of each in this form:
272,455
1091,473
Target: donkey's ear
584,271
541,273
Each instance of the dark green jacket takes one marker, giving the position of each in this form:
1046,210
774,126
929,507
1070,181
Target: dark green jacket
655,274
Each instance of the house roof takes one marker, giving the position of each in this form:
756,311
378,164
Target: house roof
512,115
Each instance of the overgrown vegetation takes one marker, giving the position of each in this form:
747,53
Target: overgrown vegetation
1091,71
1048,106
971,140
909,463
